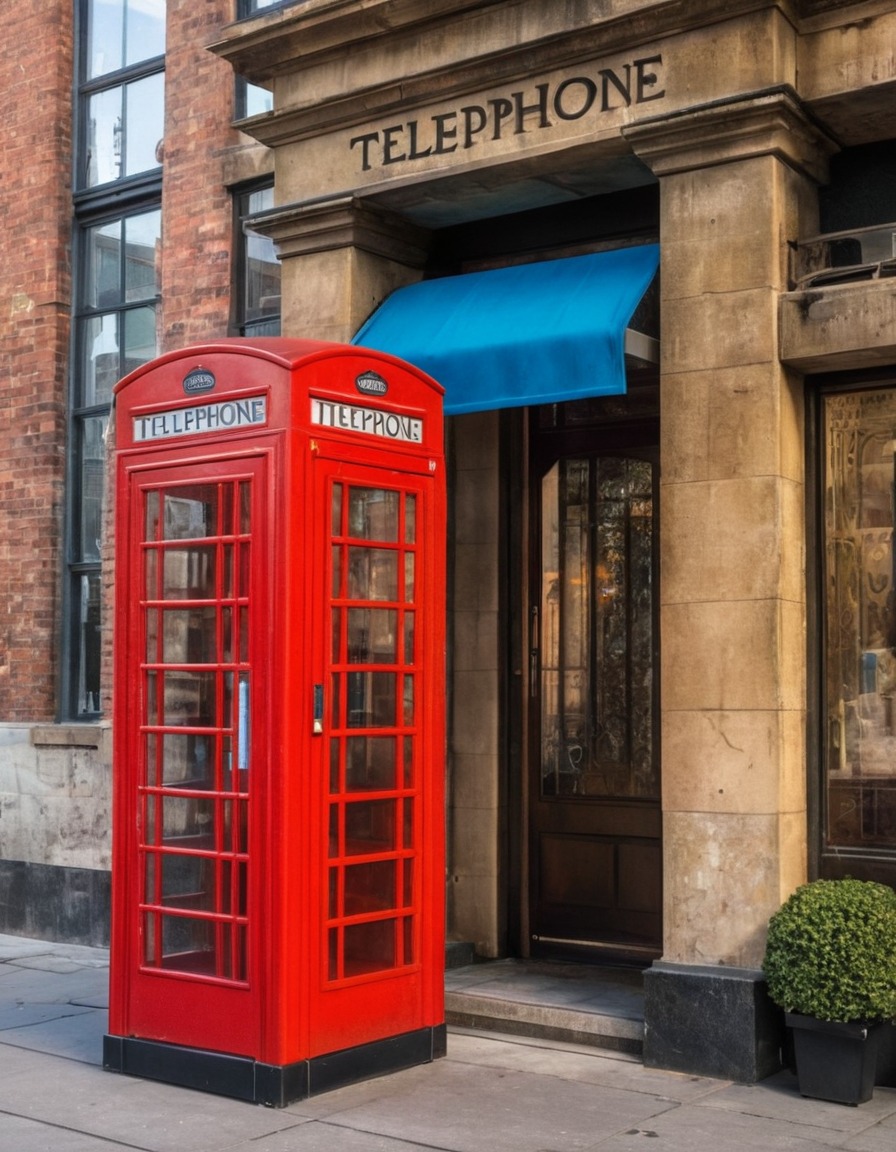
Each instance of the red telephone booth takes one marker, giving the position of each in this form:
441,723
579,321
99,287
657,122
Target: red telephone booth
278,869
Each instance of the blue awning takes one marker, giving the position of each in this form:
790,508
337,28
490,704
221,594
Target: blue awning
528,334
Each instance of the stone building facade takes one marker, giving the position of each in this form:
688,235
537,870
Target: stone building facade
414,141
671,607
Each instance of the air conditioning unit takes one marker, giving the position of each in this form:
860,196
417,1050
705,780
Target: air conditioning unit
843,257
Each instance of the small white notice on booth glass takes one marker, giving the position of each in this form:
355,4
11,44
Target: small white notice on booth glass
369,421
222,416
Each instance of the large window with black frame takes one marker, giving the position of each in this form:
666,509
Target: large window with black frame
257,295
119,116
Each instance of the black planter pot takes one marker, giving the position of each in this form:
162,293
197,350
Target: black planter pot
834,1061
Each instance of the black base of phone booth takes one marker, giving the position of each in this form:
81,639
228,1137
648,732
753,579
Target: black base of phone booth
274,1085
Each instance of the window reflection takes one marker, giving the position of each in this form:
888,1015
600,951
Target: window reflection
190,513
123,32
125,128
373,514
596,629
121,269
258,286
372,636
93,457
372,574
860,473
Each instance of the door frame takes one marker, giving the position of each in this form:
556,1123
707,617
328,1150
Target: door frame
218,1012
631,424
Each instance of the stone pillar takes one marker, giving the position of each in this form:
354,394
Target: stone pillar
476,804
737,182
341,259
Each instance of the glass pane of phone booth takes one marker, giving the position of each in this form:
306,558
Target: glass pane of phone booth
194,781
373,797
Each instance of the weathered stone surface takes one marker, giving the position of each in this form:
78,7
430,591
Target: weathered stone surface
56,799
839,326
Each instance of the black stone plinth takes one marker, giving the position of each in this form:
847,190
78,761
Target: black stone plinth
711,1021
886,1058
50,902
242,1078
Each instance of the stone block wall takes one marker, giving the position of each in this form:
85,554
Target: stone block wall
55,831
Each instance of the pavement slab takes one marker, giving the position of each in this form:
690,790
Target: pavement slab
126,1112
491,1092
577,1062
442,1106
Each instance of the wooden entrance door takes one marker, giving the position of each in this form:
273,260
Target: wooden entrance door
595,883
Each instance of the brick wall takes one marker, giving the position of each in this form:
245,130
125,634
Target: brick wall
36,40
197,207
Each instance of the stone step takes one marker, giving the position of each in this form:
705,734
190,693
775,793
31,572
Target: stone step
576,1004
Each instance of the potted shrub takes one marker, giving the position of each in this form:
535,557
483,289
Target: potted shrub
830,963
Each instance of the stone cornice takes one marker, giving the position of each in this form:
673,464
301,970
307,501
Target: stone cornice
264,44
343,222
292,39
769,123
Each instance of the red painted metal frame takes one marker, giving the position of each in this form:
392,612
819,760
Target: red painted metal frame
288,1009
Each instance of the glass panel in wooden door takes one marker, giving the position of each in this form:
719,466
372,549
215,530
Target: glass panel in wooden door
595,845
373,730
193,793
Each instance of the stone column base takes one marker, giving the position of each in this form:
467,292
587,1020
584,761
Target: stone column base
711,1021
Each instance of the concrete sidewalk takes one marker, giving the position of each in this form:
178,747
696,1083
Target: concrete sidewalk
490,1094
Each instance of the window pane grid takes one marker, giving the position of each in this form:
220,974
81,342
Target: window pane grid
194,794
122,33
374,804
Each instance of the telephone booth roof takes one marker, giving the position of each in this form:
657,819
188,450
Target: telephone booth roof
284,351
258,385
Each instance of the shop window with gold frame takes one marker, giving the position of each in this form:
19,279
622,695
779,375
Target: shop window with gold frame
859,613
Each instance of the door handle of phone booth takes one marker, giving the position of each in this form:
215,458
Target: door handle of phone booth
242,740
318,717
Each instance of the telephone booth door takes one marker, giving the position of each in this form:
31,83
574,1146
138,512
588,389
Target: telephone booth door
278,842
197,575
374,706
